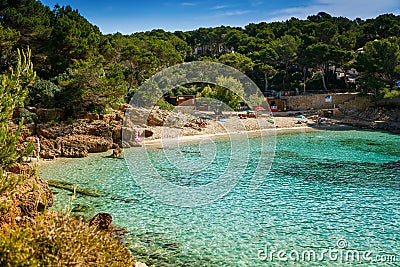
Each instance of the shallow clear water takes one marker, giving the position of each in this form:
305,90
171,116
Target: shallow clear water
327,192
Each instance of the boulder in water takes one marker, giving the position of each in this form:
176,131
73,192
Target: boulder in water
117,153
101,221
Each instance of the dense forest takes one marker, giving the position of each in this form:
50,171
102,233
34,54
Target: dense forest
81,69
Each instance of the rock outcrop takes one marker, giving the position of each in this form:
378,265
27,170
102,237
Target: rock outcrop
24,203
73,146
101,221
84,144
376,117
117,152
49,148
380,114
92,134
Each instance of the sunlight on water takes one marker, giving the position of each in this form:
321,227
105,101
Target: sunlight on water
326,190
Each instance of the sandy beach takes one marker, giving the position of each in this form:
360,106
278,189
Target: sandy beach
236,127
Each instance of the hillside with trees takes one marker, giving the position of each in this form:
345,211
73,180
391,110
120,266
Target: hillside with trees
80,69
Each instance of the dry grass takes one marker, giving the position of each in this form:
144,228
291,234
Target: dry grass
55,240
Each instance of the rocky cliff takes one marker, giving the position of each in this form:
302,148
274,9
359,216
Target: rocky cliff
27,200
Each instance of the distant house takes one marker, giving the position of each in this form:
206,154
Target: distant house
351,79
201,50
352,72
184,100
277,105
340,73
208,49
351,75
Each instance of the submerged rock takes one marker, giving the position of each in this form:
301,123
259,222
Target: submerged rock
331,165
80,208
70,187
392,165
124,199
171,246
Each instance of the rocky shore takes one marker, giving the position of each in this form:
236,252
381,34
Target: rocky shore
29,199
95,133
377,118
86,135
30,232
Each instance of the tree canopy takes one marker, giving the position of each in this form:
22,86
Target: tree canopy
75,61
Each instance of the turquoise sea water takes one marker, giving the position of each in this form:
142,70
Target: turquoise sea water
331,193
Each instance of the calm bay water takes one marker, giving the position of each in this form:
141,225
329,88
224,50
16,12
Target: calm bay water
328,192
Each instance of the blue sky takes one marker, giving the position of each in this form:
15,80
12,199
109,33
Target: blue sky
132,16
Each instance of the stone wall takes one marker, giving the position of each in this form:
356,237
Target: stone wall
342,101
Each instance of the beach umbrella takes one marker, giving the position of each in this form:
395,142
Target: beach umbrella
300,117
259,108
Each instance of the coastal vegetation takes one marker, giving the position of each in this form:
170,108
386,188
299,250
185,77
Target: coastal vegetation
13,90
55,240
29,234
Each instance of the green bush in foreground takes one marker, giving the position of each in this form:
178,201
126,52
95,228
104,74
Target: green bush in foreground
54,240
13,90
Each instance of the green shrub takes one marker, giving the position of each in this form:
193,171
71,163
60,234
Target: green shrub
164,105
27,116
13,90
42,94
386,93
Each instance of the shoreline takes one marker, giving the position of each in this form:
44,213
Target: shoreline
196,137
218,130
252,126
215,136
310,126
94,134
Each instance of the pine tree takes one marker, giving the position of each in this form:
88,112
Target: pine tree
13,91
